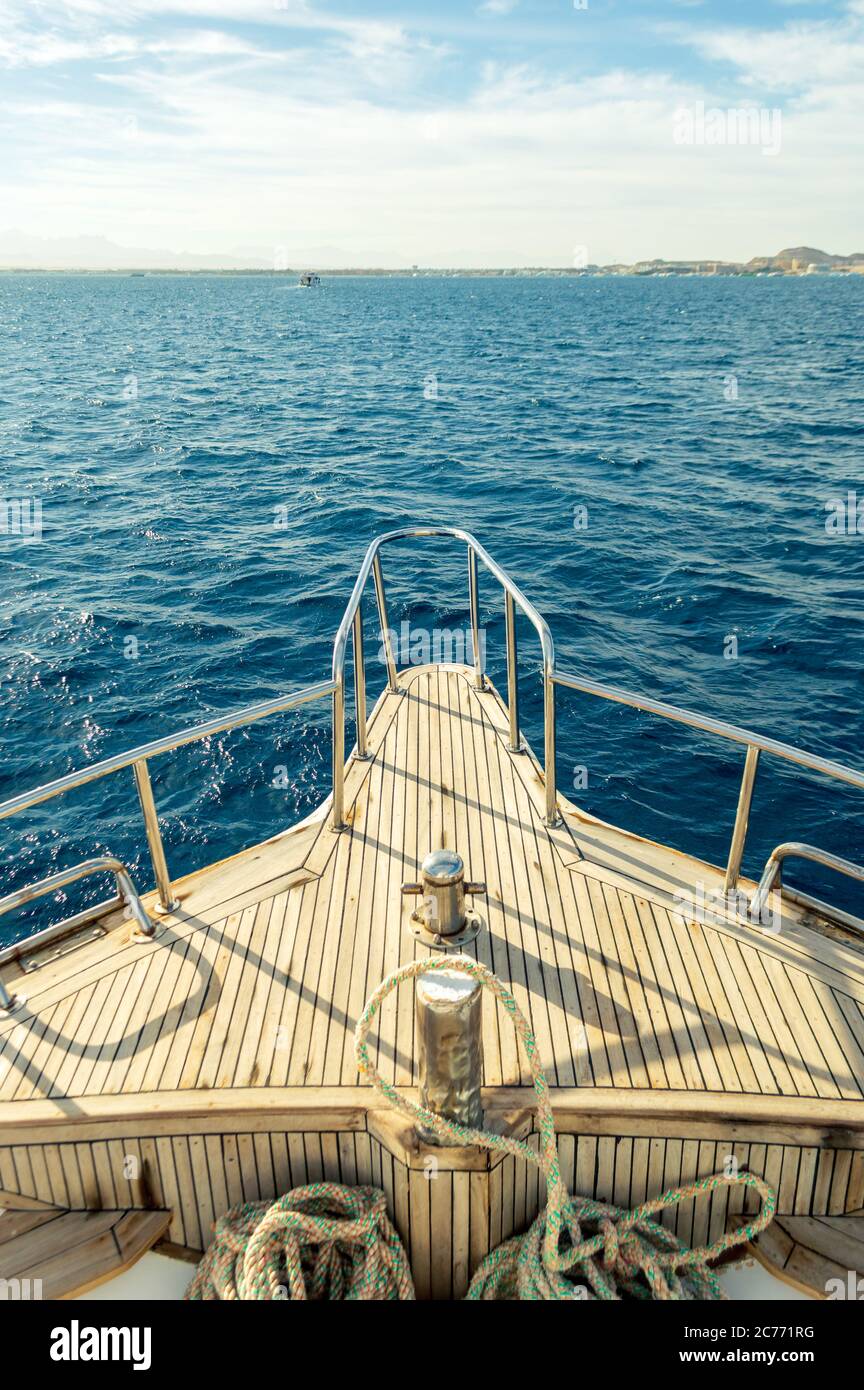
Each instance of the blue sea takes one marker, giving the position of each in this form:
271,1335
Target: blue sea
651,459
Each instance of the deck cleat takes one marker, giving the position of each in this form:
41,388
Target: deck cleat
442,920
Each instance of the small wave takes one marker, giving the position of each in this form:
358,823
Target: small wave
705,519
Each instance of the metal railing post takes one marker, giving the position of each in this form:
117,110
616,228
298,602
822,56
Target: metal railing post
167,900
552,816
474,603
339,755
105,864
772,875
360,684
512,673
386,639
742,816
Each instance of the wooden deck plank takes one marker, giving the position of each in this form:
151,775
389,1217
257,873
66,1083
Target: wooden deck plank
670,986
339,932
327,916
517,918
36,1049
717,1065
119,1033
691,1036
188,974
623,993
626,1023
822,1256
752,1009
534,864
481,857
68,1252
301,908
260,1039
254,974
376,951
828,1025
328,1056
189,1041
413,752
750,1055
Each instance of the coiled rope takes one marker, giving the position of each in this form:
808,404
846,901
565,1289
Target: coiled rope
577,1248
318,1242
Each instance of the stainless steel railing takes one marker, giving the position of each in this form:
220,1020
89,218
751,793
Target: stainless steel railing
352,625
773,872
138,758
352,622
755,743
105,864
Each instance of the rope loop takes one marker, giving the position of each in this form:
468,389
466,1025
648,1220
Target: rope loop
577,1248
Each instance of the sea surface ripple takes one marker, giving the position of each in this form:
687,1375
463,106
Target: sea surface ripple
213,455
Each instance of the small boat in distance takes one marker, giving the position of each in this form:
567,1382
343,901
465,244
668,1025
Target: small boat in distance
309,280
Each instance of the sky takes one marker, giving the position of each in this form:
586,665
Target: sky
496,133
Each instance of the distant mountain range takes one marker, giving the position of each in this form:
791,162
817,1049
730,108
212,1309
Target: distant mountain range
22,251
795,260
803,256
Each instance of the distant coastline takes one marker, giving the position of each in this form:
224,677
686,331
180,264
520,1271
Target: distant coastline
800,260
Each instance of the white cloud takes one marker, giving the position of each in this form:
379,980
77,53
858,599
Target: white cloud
197,139
92,17
46,50
800,55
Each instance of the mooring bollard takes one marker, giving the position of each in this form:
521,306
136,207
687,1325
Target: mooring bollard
442,920
449,1007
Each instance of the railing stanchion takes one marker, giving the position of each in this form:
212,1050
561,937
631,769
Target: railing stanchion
339,755
386,635
512,673
552,816
137,758
772,879
360,684
167,900
474,603
105,864
742,816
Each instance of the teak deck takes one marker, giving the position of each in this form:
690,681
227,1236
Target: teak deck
219,1056
51,1252
822,1256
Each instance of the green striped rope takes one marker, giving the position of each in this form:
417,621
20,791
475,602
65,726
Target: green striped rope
577,1248
321,1242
